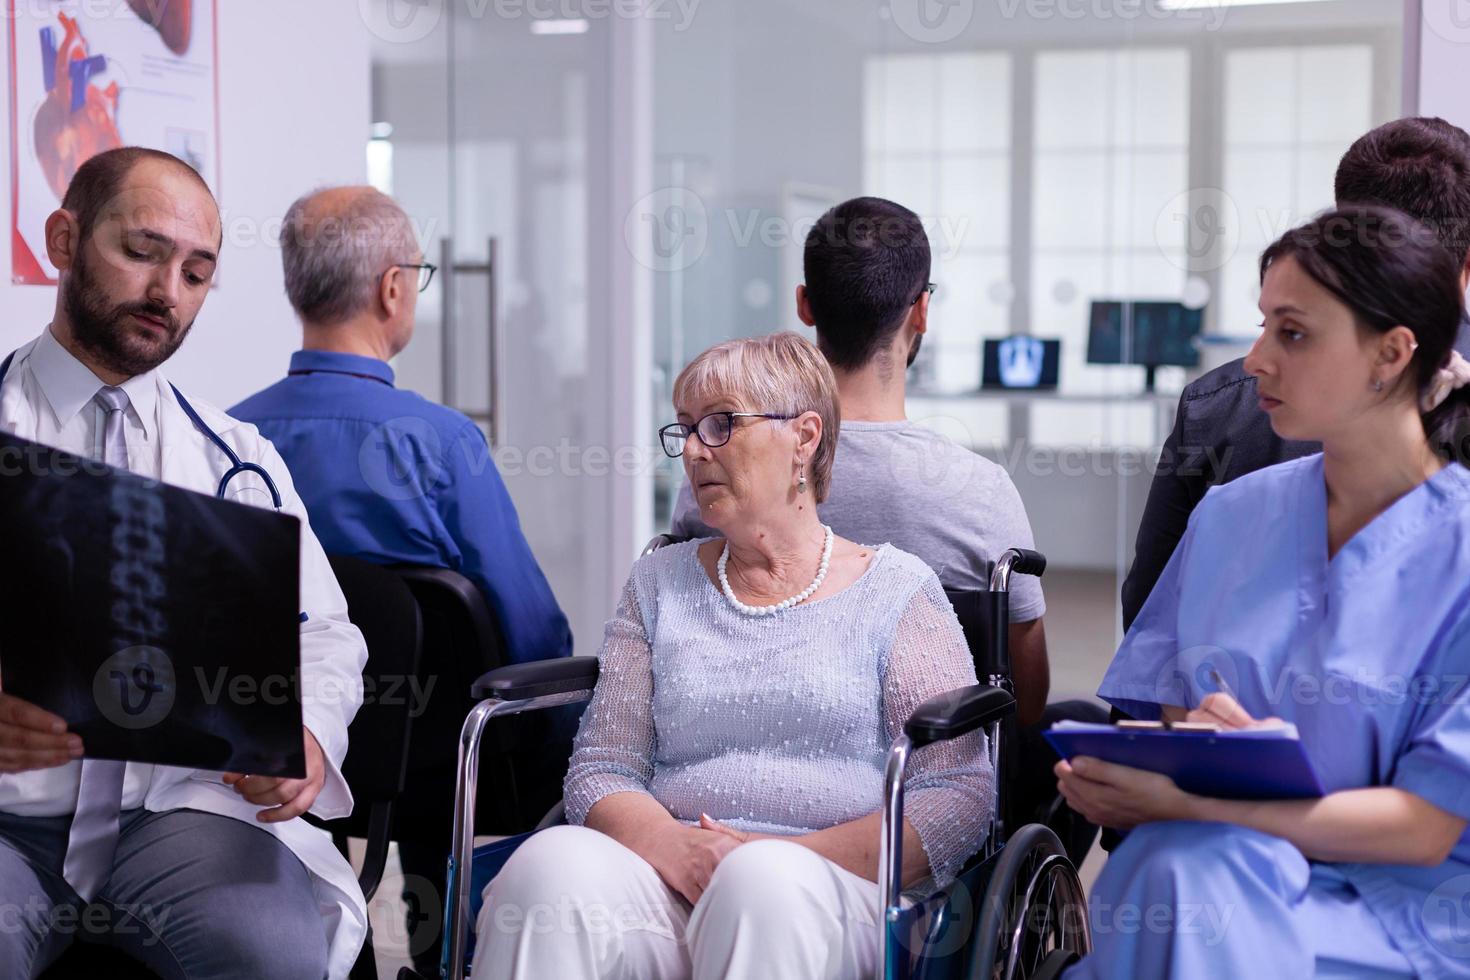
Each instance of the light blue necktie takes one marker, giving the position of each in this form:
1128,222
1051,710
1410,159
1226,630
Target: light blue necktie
92,844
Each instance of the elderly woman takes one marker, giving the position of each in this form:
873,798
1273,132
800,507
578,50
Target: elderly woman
724,792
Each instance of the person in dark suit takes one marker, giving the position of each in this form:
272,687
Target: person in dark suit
1420,166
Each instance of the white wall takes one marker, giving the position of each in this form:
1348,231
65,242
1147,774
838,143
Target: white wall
294,114
1444,58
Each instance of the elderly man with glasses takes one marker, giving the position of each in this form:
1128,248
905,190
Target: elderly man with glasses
390,477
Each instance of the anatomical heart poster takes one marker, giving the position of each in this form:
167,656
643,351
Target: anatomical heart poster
92,75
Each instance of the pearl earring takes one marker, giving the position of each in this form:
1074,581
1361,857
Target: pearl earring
801,483
1378,384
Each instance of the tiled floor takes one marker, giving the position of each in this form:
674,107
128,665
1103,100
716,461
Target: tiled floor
1081,627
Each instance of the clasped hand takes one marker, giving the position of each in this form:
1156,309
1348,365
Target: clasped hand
686,857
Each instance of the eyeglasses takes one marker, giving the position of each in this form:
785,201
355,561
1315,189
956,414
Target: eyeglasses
713,430
426,272
929,288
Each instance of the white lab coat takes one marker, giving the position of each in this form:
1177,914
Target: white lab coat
332,653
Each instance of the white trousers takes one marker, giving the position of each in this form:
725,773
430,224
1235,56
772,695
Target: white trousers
574,904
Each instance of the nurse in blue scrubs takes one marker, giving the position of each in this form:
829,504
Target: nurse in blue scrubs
1332,592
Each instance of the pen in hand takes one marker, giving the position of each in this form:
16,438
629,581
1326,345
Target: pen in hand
1232,713
1226,709
1224,687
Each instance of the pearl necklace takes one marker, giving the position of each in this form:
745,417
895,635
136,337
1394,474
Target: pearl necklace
800,597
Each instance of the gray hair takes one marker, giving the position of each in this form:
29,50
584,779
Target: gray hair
783,373
336,243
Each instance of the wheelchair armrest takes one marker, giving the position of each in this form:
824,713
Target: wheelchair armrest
539,678
955,713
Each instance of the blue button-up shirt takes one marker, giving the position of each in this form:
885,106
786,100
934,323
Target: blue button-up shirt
388,477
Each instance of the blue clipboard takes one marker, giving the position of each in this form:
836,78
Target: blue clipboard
1259,764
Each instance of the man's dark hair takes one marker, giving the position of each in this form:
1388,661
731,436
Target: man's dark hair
866,262
99,179
1420,166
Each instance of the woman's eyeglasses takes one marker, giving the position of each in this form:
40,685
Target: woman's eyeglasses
713,430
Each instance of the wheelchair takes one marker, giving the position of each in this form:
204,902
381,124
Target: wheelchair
1016,911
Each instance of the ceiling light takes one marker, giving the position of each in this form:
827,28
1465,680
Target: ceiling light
560,25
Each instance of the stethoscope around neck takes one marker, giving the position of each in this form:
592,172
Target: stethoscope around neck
238,467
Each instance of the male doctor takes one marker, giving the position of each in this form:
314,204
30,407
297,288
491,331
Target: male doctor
195,874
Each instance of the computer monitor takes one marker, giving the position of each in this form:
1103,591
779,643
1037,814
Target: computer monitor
1147,332
1020,363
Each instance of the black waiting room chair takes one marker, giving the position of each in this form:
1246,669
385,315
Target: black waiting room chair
378,740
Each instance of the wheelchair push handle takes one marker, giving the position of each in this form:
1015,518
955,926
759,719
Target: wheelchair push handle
1029,562
1016,560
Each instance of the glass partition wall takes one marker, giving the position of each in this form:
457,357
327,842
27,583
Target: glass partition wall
510,136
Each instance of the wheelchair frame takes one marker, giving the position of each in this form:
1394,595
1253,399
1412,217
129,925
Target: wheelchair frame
950,716
534,686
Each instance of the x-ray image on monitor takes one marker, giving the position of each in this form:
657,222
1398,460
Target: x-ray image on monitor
1021,363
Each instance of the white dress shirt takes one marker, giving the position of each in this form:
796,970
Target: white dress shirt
47,397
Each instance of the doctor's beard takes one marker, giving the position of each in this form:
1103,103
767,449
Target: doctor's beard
109,334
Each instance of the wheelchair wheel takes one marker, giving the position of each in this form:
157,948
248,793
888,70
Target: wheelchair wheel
1034,910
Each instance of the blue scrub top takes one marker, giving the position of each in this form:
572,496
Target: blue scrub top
390,477
1367,654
